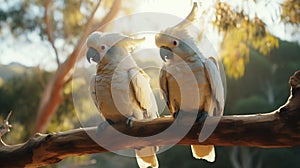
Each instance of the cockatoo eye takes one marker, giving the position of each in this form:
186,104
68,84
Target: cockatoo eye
103,47
175,43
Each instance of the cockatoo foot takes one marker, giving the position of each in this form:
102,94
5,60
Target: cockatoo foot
129,122
201,116
175,114
102,126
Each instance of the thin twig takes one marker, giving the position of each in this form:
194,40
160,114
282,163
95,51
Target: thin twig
6,126
49,30
115,7
91,18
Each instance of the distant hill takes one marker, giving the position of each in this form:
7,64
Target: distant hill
12,69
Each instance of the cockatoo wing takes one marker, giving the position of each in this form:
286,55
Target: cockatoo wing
217,97
144,96
207,152
217,89
143,92
163,81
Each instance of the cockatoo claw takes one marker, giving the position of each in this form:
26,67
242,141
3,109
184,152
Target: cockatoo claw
129,122
201,116
175,114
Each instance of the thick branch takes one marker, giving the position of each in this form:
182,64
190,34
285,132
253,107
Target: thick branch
277,129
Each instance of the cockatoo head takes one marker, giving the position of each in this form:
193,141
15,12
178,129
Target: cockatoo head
177,40
112,46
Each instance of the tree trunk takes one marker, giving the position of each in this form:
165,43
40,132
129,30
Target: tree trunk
277,129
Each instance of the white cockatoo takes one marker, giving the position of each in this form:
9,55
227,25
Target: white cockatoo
120,89
179,46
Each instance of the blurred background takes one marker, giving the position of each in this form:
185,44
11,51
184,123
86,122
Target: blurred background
41,40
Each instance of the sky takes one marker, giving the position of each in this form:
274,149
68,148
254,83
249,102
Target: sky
40,53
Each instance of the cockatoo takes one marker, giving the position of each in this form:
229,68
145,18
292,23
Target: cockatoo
120,89
178,46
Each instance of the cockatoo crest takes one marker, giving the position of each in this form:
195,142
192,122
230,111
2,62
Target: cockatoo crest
185,30
99,44
112,39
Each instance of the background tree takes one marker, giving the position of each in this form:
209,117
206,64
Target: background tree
71,21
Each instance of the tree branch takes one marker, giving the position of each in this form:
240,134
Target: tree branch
109,16
277,129
49,29
6,126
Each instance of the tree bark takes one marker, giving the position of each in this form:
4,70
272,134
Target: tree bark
277,129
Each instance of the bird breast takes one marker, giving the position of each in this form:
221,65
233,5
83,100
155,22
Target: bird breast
186,82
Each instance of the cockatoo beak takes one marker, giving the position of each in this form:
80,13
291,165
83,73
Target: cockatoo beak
93,54
166,53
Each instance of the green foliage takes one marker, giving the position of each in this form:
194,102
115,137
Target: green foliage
21,94
1,81
274,157
264,87
235,54
290,11
19,16
240,34
245,105
67,18
75,15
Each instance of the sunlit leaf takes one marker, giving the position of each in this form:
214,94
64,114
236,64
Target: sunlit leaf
240,33
291,11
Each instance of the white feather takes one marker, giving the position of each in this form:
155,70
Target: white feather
143,92
217,89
